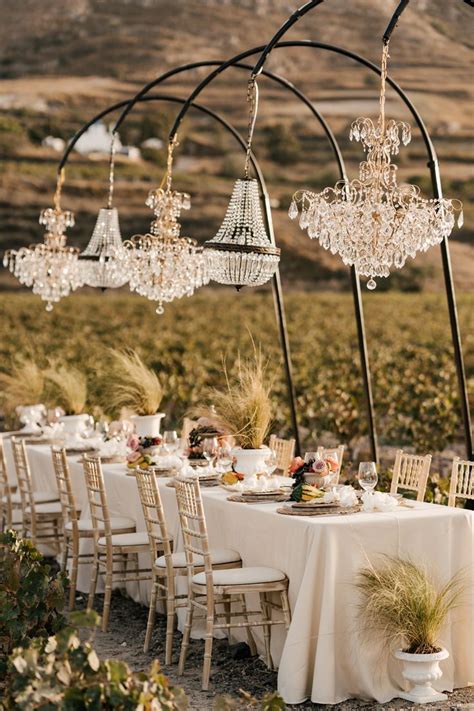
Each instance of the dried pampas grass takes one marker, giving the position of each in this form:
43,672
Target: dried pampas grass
23,385
132,385
69,387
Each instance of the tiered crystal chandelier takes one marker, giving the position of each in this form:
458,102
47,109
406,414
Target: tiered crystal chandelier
50,268
372,222
161,265
241,253
100,261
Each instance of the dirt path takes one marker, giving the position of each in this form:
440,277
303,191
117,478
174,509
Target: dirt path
124,640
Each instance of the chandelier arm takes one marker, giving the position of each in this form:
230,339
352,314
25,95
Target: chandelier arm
394,20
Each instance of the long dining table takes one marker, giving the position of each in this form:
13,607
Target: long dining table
323,656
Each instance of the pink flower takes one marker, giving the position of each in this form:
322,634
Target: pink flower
320,467
133,441
296,464
133,457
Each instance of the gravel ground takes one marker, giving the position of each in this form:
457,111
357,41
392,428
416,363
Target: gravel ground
124,640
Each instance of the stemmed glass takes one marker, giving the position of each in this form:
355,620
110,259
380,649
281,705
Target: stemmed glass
271,461
170,441
368,476
224,459
209,448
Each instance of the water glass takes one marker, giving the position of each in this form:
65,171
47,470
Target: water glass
171,441
210,447
367,476
271,461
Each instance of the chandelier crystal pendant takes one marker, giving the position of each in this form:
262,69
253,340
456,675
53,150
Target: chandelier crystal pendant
100,261
51,269
372,222
241,253
161,265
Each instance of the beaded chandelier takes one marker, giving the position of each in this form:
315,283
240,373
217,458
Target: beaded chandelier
51,269
372,222
100,264
161,265
241,253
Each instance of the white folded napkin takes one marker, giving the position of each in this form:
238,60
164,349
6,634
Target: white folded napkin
113,448
168,461
343,495
378,501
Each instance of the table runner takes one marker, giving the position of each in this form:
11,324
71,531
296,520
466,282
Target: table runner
323,656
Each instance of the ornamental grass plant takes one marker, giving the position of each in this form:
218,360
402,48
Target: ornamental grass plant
22,385
243,409
68,387
404,606
132,385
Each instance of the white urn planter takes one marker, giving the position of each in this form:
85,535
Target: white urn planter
31,417
421,670
74,424
148,425
250,461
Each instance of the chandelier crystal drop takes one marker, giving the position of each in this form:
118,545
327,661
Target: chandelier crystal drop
241,253
51,269
161,265
99,260
372,222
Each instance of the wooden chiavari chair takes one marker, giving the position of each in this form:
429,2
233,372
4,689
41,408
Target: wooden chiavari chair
462,481
330,452
7,506
411,472
116,540
167,564
42,520
284,450
223,586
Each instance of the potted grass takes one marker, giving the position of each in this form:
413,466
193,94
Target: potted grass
69,387
21,391
243,410
403,605
135,387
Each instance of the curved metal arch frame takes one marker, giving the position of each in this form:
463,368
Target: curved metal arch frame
432,164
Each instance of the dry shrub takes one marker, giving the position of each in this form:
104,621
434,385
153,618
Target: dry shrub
69,387
23,385
244,408
404,606
132,385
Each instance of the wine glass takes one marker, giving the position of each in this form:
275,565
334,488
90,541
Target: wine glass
368,476
170,441
209,448
224,459
271,461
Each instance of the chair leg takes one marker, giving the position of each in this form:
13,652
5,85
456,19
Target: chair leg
108,591
93,585
186,635
285,606
151,613
208,640
266,630
250,639
170,615
74,570
64,556
228,615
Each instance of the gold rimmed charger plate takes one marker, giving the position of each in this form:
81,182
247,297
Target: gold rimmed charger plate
318,511
276,498
315,505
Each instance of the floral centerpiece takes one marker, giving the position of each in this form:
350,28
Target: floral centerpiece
141,451
311,477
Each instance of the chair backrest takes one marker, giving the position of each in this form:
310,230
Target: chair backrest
23,474
5,493
330,452
462,481
411,472
63,480
153,512
193,526
97,497
188,425
284,450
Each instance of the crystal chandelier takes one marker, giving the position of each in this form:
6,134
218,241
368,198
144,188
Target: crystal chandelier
372,222
241,253
161,265
99,261
50,268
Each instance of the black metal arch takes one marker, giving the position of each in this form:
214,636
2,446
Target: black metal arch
432,164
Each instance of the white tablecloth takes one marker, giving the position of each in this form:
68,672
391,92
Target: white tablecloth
323,656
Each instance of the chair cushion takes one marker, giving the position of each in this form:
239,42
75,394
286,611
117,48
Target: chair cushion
242,576
117,523
127,539
219,556
54,507
40,497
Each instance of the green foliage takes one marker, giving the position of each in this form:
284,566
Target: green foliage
64,672
270,702
31,597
